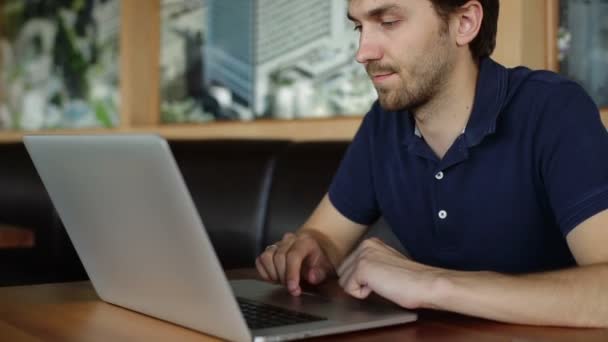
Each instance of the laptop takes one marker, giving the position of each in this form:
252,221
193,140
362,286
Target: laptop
132,221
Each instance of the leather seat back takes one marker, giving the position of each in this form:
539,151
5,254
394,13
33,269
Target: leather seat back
229,181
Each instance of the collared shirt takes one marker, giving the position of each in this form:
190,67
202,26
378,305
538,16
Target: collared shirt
530,166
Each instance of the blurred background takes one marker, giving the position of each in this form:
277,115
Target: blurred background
236,60
59,64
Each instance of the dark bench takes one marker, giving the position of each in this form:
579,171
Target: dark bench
248,193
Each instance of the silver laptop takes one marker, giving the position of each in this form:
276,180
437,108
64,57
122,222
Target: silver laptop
136,229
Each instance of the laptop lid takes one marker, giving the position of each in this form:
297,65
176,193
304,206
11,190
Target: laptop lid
133,223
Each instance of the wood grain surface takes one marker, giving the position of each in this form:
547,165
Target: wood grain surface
73,312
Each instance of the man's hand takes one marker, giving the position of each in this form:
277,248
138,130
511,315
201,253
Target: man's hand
376,267
295,255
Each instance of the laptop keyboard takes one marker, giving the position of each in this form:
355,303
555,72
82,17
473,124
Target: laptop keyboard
261,315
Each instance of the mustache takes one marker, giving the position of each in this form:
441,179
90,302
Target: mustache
375,68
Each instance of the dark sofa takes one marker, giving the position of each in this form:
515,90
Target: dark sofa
248,193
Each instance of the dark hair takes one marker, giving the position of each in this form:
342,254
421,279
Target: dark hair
485,42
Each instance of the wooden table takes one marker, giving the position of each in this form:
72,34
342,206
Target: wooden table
73,312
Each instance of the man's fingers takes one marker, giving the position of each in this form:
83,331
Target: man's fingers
262,270
316,268
295,258
353,283
278,260
267,262
345,276
355,278
358,291
280,256
352,272
316,275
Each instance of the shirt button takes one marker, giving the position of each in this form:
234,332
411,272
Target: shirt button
439,175
442,214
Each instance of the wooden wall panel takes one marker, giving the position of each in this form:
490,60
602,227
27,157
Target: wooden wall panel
552,13
139,62
534,33
509,37
522,32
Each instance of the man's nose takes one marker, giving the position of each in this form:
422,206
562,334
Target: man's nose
369,49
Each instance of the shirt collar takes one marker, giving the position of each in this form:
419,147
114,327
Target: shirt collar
490,95
419,135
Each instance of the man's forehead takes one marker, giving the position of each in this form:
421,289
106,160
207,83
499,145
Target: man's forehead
362,8
376,3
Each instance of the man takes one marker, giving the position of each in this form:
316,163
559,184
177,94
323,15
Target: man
495,180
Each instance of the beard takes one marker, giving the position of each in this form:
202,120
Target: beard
418,83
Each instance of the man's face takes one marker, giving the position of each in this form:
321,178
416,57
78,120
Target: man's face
405,48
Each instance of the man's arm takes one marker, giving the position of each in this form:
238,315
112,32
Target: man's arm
573,297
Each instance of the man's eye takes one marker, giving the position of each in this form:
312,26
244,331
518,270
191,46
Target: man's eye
389,24
357,28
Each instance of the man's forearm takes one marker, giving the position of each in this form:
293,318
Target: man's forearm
574,297
336,248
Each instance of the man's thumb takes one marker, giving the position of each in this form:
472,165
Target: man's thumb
316,275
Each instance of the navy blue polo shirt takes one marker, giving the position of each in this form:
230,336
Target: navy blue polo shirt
530,166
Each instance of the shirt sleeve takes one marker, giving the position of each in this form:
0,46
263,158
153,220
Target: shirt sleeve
573,156
352,189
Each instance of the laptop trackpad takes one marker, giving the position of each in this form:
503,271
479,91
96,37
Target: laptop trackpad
310,301
274,294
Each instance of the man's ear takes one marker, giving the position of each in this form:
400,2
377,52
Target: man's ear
467,22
